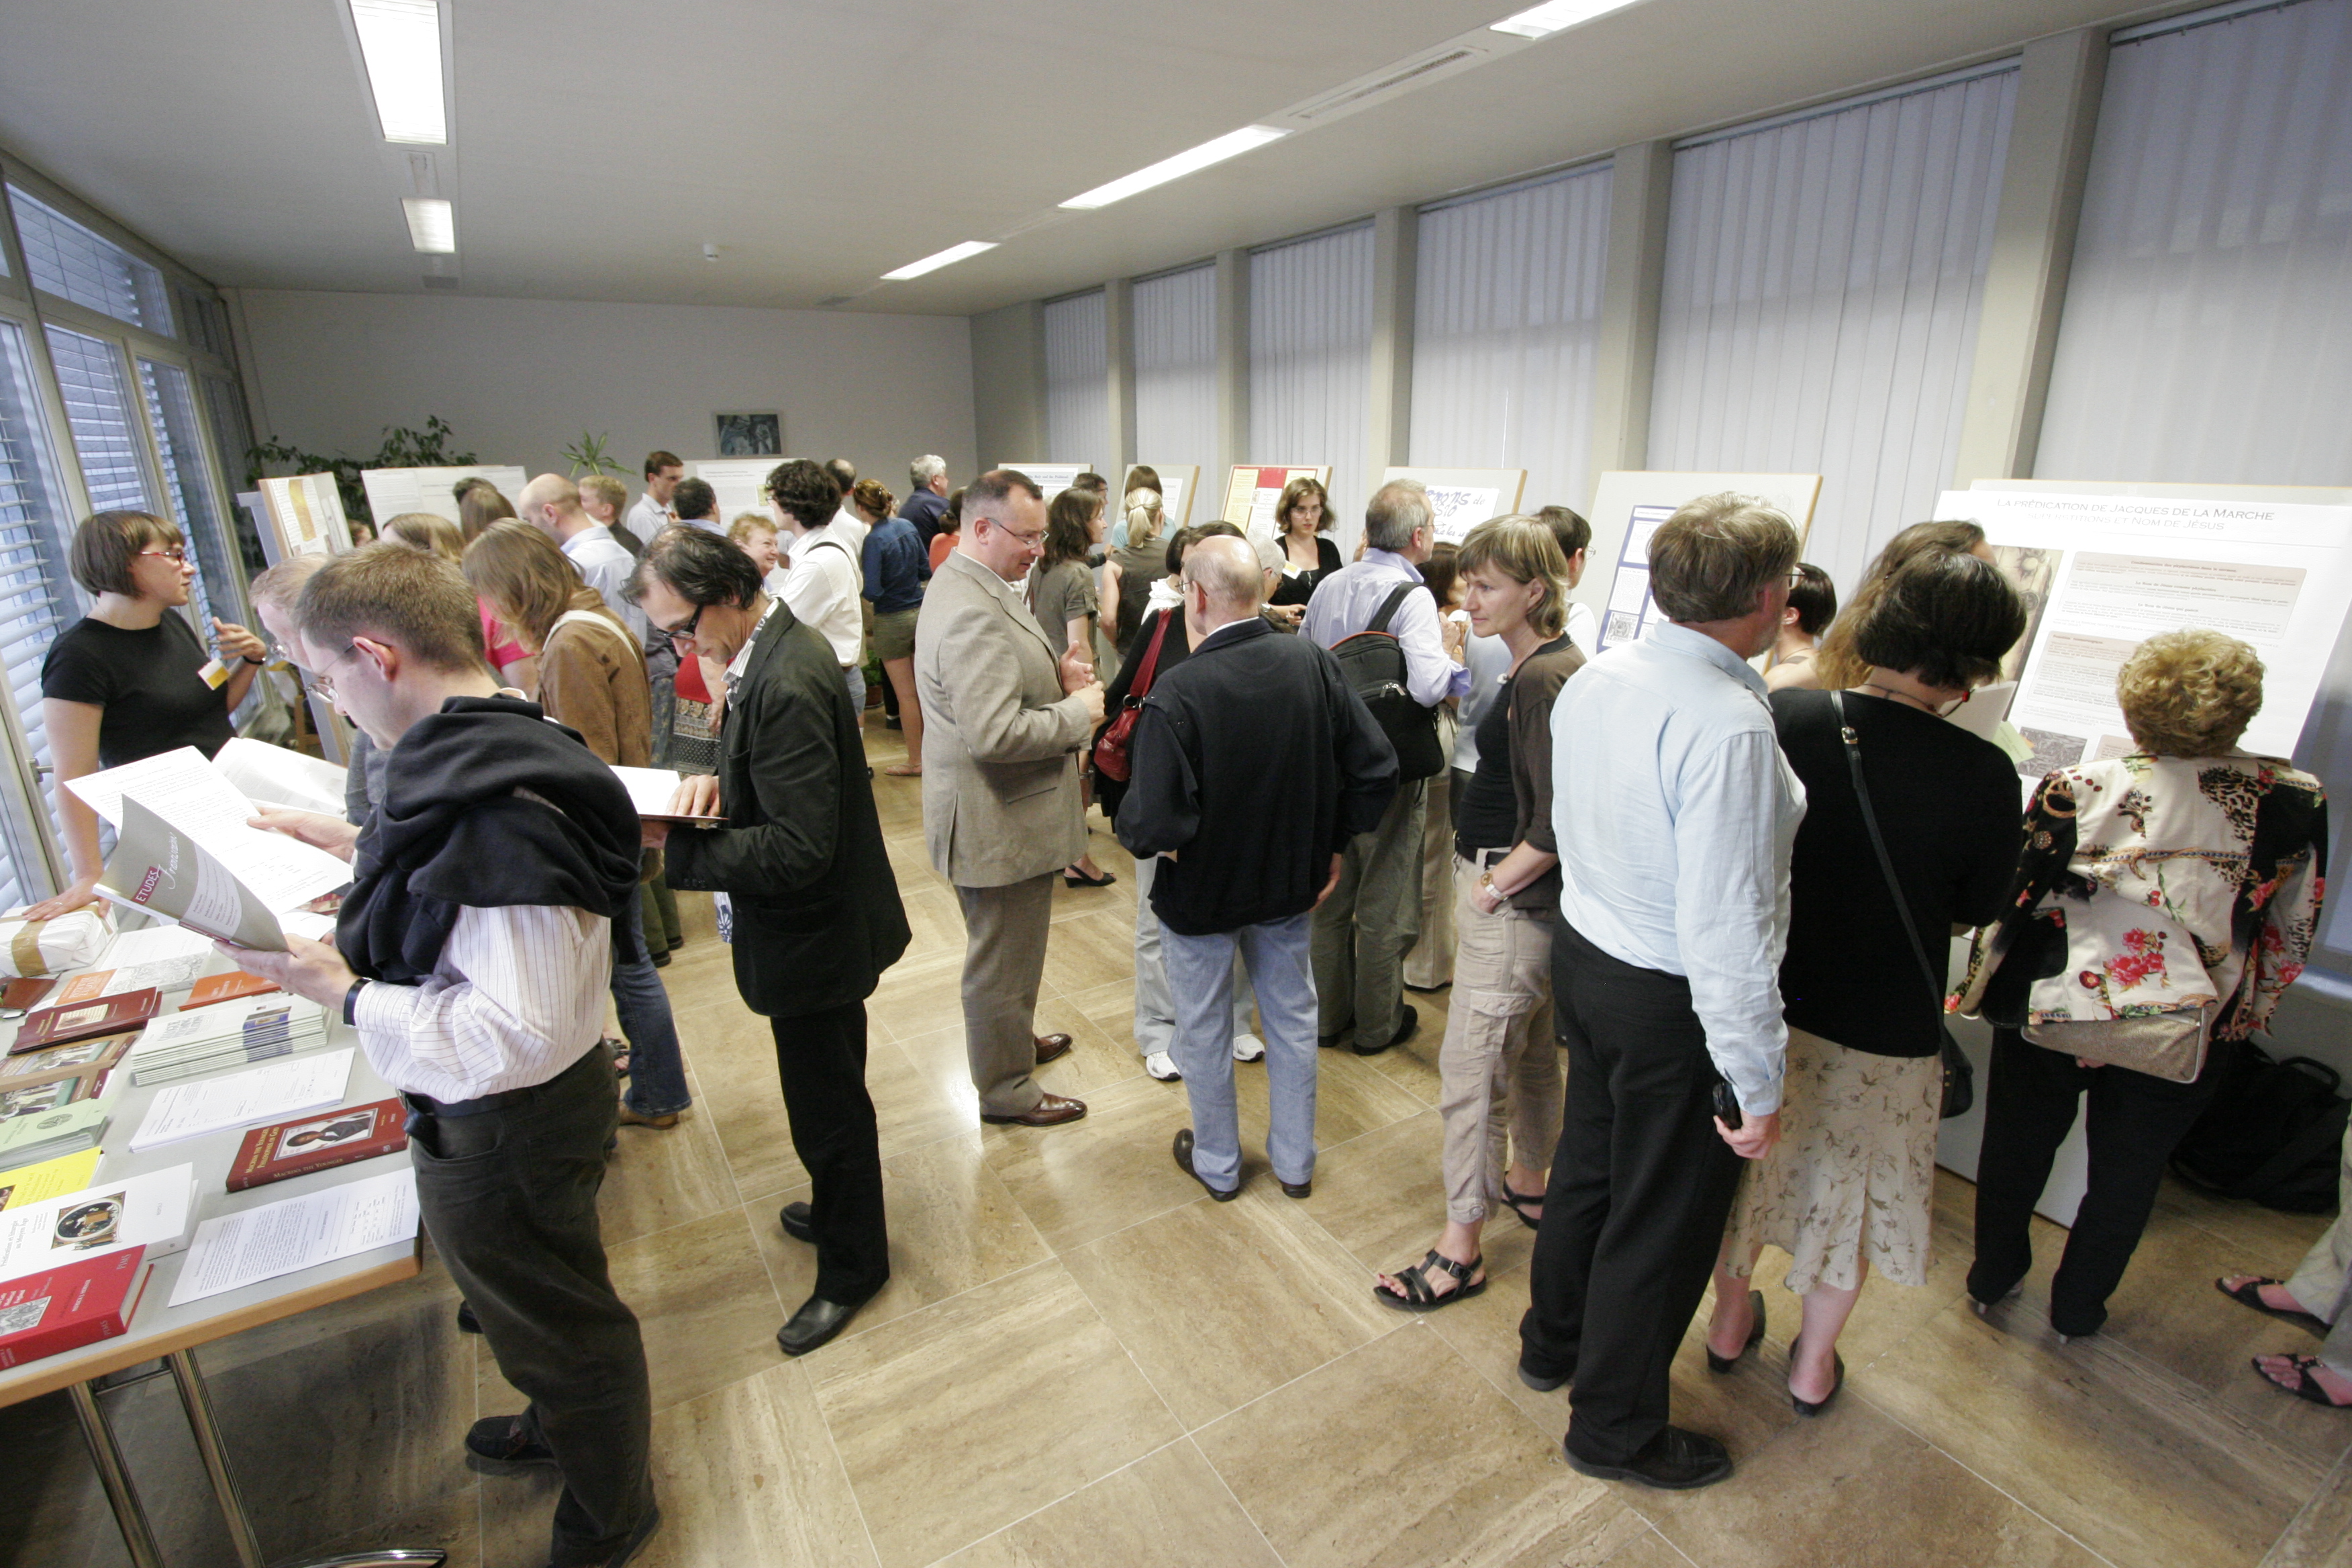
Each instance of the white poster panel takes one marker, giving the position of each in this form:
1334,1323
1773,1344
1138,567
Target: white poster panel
1627,508
1179,483
1465,498
1052,477
1254,489
391,492
738,482
305,514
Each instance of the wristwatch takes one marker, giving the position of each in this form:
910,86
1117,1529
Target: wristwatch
251,661
351,1002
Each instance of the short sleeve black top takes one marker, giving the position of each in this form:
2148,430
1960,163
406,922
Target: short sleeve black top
1948,807
1296,585
149,682
1485,810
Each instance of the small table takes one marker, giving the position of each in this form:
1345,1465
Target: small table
172,1333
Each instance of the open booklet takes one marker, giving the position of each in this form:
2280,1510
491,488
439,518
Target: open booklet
651,791
158,869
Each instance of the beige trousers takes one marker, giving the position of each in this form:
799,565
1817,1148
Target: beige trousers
1429,964
2323,1282
1499,1082
1004,931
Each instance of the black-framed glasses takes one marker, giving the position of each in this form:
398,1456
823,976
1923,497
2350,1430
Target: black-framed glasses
686,632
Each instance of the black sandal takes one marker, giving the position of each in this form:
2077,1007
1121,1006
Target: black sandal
2305,1385
2250,1294
1419,1298
1519,1203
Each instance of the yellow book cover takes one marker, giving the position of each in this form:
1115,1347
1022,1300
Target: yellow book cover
49,1179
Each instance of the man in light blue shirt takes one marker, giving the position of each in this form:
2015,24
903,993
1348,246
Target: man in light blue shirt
1363,930
551,504
1675,813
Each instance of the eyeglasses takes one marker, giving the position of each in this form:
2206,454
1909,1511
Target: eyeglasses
323,680
1797,577
176,555
1028,540
684,633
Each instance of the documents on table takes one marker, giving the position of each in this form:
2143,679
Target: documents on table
152,1210
164,958
193,796
237,1249
241,1098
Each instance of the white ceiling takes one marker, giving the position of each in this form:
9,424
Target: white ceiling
597,144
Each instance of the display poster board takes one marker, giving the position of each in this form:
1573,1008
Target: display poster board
1052,477
1179,483
1465,498
1627,507
391,492
738,482
305,514
1252,490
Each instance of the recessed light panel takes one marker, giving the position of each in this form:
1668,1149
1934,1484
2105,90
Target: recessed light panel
1233,145
1557,17
401,42
432,226
947,258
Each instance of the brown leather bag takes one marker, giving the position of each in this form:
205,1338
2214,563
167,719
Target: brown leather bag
1110,747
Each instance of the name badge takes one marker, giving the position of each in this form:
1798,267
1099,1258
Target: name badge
214,674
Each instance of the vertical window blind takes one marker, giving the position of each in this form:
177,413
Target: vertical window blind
1506,317
1310,363
99,413
233,437
1822,279
1078,381
77,263
179,444
36,597
1176,373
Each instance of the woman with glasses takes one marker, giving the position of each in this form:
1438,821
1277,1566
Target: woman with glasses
132,680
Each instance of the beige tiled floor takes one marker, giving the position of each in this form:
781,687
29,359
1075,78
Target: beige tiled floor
1079,1360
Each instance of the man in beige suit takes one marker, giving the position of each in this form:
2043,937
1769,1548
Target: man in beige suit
1004,719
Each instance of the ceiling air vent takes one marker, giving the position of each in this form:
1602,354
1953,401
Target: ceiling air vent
835,301
1365,92
435,281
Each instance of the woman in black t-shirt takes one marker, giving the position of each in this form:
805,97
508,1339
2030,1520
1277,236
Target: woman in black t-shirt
131,678
1302,526
1852,1182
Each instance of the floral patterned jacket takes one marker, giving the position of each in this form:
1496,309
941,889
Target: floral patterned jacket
2152,885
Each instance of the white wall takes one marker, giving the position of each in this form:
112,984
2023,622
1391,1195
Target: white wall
521,379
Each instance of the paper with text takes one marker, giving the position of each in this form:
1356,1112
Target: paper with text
243,1098
243,1249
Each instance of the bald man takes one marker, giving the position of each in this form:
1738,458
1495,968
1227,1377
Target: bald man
1254,766
550,503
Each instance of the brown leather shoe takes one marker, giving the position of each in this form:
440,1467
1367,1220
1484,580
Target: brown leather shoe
1051,1047
634,1118
1050,1111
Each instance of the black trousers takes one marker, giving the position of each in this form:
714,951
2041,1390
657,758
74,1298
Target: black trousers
510,1198
1640,1186
821,1062
2136,1123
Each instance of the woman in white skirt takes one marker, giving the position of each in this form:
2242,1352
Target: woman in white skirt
1850,1183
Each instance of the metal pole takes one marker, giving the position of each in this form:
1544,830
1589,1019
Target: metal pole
115,1477
198,1403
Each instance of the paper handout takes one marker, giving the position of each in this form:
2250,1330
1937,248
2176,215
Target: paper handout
197,799
244,1249
272,775
242,1099
651,790
158,869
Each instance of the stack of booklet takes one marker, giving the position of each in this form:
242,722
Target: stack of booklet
34,1136
233,1034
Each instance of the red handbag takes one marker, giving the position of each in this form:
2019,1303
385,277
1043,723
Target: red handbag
1110,747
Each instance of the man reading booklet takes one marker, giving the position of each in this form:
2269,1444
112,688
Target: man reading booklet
472,955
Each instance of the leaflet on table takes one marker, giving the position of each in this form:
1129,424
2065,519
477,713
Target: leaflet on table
273,776
153,1209
651,791
2102,573
164,957
49,1178
241,1098
193,795
243,1249
160,870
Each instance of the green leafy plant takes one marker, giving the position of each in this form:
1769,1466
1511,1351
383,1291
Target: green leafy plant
402,449
591,454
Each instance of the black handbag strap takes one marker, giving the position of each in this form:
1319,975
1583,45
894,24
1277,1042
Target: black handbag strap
1886,861
1389,606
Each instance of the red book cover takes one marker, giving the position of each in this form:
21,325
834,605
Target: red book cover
71,1305
225,987
318,1143
24,996
107,1016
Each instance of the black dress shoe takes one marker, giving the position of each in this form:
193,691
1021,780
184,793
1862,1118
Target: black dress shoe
817,1321
1720,1363
1184,1163
1675,1461
1305,1189
467,1322
795,1218
1837,1382
1543,1381
1407,1027
498,1446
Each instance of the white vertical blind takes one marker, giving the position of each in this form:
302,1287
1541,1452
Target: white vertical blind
1507,317
1823,280
179,444
1310,362
2208,331
36,597
1077,382
1176,373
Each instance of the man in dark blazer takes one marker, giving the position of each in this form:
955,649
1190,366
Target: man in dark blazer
1255,767
817,916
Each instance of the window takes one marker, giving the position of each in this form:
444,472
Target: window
36,597
179,444
1310,363
1176,373
1078,381
99,412
80,264
233,437
1507,321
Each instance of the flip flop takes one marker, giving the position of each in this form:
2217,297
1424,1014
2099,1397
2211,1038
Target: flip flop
2250,1294
2305,1385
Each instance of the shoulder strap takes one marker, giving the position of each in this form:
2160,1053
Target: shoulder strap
1878,844
1151,665
1389,606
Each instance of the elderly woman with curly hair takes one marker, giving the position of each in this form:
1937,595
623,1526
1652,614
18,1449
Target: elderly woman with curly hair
2161,894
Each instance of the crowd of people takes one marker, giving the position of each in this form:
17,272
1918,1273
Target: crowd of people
1693,917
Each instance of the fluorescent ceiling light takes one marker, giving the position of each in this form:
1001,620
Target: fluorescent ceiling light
401,42
1556,16
947,258
1233,145
432,226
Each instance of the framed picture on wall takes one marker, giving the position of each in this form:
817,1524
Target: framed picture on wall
750,435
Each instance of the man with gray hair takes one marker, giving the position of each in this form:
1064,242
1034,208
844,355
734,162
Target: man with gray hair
1255,767
1363,930
1675,812
550,503
927,495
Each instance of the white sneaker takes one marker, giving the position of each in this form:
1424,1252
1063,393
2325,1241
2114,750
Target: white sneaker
1162,1066
1248,1048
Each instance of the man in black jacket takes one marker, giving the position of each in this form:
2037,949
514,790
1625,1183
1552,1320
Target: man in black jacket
1254,764
817,916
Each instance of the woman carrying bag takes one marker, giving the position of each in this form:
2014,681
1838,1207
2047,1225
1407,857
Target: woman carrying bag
2164,902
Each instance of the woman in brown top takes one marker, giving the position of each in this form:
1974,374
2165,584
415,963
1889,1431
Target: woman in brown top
592,677
1500,1079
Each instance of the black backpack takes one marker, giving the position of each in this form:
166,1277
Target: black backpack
2271,1133
1372,664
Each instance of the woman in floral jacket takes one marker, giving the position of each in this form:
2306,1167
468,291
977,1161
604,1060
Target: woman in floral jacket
2180,884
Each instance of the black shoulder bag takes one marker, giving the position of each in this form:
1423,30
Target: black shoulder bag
1959,1077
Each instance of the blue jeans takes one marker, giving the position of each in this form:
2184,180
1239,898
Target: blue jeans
1199,979
656,1071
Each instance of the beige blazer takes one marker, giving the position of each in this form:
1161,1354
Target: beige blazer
1001,802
